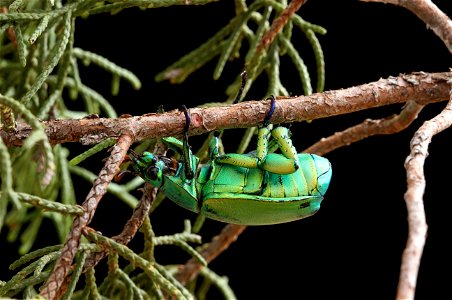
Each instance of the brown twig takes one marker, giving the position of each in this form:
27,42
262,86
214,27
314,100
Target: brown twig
417,226
131,227
218,244
56,283
252,64
278,24
138,216
10,33
135,221
424,87
435,19
366,129
432,16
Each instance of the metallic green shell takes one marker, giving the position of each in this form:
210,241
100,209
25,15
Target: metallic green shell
255,197
252,196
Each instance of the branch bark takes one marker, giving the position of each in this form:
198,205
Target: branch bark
366,129
135,221
57,282
424,87
417,225
278,24
217,246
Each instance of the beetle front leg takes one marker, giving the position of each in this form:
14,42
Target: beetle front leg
214,145
187,155
214,152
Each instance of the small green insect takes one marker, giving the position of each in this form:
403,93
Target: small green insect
257,188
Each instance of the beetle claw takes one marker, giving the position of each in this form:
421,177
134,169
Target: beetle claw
271,111
187,118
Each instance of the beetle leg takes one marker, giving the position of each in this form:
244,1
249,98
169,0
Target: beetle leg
174,144
187,155
214,145
282,136
271,111
214,151
239,160
286,163
263,134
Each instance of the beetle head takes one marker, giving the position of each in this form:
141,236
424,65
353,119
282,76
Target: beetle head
152,168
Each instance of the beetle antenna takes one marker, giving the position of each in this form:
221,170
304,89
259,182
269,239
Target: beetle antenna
271,111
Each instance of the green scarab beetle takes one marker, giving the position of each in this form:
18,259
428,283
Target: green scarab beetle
257,188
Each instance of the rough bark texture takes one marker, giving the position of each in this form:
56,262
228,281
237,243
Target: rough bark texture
423,87
218,244
417,224
56,284
366,129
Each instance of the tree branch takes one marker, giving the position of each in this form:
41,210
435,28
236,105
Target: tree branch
218,244
135,221
417,226
424,87
432,16
130,228
278,24
56,283
368,128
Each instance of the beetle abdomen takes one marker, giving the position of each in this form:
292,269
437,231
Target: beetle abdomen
253,196
312,178
257,210
234,179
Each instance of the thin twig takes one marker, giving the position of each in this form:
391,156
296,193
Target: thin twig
278,24
417,226
135,221
424,87
432,16
131,227
218,244
10,31
55,285
366,129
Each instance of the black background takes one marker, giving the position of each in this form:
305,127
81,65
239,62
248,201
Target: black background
352,247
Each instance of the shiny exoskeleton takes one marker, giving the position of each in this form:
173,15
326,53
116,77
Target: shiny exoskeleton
257,188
